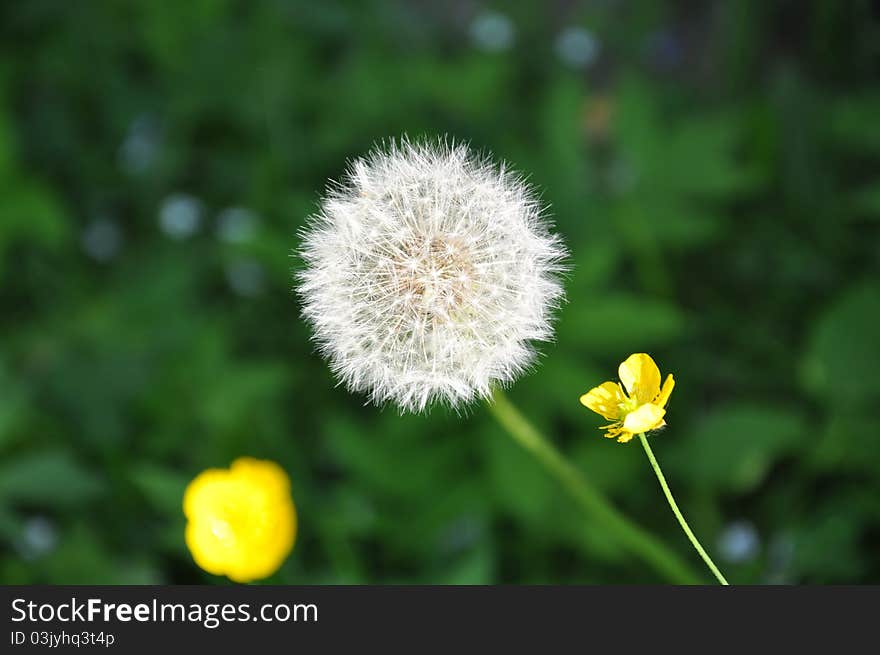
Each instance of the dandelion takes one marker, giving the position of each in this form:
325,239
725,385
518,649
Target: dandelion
430,272
241,521
640,410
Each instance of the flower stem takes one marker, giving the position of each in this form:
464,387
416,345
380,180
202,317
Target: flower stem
630,535
677,512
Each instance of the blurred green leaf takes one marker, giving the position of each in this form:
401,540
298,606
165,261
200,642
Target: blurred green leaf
843,354
866,203
853,121
53,478
81,559
620,323
12,406
519,484
733,447
30,212
826,548
848,442
474,567
163,488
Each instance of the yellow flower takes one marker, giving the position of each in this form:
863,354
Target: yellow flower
241,521
641,408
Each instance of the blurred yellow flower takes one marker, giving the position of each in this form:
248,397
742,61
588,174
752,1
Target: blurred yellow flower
641,408
241,521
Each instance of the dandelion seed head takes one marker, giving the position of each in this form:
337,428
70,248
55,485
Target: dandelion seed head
429,273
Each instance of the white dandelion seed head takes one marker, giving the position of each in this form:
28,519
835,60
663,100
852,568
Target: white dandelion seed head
429,273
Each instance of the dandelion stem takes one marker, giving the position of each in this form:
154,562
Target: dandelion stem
677,512
630,535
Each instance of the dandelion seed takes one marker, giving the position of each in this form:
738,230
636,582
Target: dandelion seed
429,273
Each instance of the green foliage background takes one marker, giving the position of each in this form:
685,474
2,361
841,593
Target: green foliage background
712,166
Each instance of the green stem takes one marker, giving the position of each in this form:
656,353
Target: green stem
630,535
677,512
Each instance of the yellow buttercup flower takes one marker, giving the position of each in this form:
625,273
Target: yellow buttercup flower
641,407
636,411
241,521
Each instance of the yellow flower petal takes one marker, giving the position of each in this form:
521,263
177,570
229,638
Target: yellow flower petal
645,418
640,377
264,474
663,396
624,437
241,521
197,497
604,399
